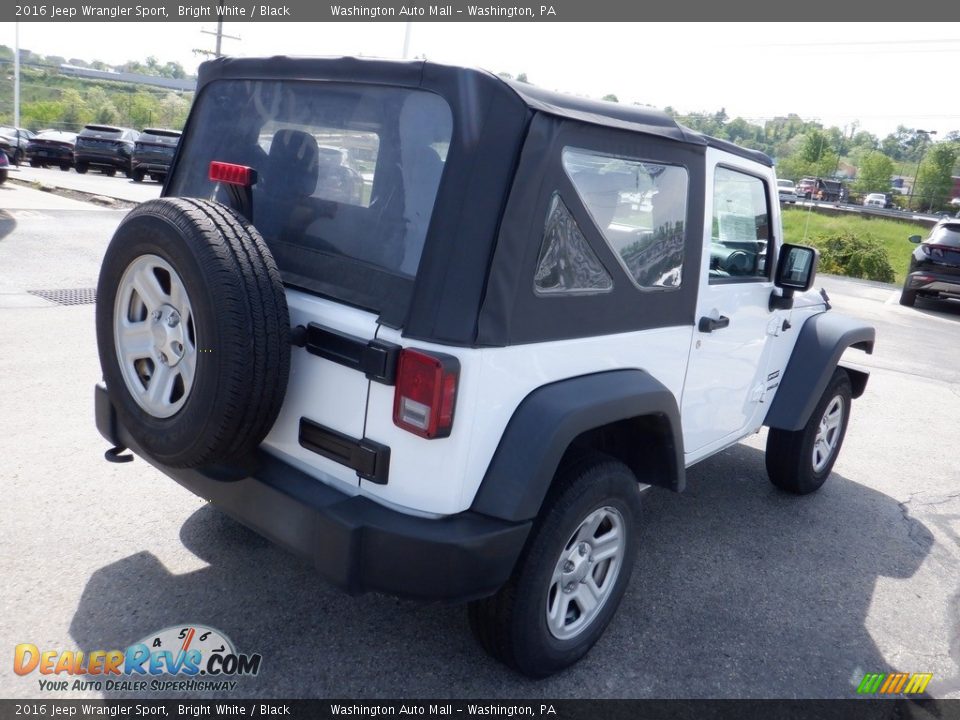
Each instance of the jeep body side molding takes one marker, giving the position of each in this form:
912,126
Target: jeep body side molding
822,341
639,412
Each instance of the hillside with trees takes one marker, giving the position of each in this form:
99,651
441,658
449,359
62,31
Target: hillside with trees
800,148
52,99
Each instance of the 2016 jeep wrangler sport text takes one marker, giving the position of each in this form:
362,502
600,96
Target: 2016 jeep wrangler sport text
435,332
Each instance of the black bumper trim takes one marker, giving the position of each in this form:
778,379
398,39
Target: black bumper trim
353,542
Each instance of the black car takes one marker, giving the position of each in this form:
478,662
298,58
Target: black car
13,142
106,147
935,265
52,147
153,153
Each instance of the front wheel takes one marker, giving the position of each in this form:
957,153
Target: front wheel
908,298
800,461
572,574
138,175
81,168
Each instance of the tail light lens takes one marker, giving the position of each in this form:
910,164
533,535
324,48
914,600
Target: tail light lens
426,393
232,174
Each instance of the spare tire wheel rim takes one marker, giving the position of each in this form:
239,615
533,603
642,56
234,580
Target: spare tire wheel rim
155,336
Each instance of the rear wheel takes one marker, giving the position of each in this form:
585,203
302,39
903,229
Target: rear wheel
17,156
572,573
3,176
138,176
110,172
800,461
65,167
82,167
908,297
34,163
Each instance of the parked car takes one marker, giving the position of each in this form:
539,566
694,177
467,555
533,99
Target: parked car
935,265
52,147
13,142
456,387
153,152
787,191
105,147
4,167
878,200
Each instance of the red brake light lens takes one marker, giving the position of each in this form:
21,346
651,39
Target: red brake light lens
232,174
426,393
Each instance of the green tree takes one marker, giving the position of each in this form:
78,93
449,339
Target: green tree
933,181
610,97
41,114
874,173
76,112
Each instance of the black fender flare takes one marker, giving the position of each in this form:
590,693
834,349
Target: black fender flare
551,417
815,357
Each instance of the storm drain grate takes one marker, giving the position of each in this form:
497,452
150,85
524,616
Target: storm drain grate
73,296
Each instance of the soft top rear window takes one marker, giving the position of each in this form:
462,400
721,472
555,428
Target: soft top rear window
347,175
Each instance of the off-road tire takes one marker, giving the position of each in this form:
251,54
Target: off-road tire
511,625
242,330
789,455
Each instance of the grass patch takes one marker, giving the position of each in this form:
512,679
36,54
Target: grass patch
891,235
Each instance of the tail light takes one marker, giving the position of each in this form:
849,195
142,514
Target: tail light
232,174
426,393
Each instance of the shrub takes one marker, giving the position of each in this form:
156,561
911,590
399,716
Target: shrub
859,256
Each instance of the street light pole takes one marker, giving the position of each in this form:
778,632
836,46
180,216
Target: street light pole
916,173
16,75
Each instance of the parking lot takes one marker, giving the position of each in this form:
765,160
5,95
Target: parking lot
739,590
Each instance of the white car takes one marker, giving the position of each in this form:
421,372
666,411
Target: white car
787,191
878,200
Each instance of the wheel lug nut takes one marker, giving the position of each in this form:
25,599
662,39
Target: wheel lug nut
583,549
568,566
569,587
156,315
163,359
173,321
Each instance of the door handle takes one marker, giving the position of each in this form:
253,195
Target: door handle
709,324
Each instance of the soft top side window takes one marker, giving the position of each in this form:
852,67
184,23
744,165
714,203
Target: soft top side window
640,208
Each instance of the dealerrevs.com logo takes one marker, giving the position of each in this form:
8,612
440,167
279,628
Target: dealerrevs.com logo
179,658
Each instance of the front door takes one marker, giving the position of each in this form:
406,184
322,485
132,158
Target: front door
729,355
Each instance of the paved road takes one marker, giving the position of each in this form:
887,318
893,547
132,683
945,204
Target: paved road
94,182
740,591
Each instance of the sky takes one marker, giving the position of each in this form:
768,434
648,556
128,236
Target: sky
878,74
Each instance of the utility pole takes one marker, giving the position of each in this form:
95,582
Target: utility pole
219,32
16,75
406,41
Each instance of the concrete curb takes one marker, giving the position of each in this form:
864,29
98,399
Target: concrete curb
94,198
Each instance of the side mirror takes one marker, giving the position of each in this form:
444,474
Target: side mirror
796,268
914,238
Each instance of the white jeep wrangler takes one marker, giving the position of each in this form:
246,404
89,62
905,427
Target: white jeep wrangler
435,331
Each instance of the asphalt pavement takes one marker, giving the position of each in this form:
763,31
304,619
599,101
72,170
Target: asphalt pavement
738,591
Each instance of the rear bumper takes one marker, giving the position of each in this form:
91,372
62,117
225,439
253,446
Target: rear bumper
933,283
353,542
95,158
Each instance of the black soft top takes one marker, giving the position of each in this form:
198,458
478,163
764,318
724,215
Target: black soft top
411,73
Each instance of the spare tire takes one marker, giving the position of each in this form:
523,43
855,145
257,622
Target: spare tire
193,332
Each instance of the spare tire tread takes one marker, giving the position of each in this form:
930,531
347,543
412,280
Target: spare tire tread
251,357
